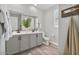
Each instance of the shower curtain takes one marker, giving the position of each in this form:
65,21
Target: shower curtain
72,43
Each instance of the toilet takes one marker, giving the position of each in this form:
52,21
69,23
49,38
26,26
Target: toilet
46,39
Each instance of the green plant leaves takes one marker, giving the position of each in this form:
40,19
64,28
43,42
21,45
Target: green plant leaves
26,22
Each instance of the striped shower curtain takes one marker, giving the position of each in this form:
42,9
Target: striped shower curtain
72,43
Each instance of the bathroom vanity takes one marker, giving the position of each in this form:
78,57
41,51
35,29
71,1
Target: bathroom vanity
23,41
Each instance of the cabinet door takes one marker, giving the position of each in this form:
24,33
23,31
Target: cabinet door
12,45
39,40
25,42
33,40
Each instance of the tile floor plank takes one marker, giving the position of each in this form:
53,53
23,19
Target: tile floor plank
42,50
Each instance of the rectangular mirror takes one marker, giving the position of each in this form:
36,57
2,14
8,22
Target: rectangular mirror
31,25
21,22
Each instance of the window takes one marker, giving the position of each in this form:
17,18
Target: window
56,17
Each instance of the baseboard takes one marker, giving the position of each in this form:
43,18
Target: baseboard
45,43
54,44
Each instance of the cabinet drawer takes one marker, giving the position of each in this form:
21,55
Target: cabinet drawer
25,42
12,45
39,40
33,40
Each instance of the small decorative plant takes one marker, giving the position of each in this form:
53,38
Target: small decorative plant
26,22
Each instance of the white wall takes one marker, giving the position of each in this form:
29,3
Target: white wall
63,27
49,18
23,9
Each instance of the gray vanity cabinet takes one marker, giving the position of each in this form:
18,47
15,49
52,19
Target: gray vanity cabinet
25,42
12,45
36,39
39,39
33,40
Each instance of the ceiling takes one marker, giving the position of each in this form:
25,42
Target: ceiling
44,6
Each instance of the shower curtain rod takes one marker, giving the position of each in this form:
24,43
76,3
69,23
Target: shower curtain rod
72,11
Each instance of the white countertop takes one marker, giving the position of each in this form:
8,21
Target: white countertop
24,32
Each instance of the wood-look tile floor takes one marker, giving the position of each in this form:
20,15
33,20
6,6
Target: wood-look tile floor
42,50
